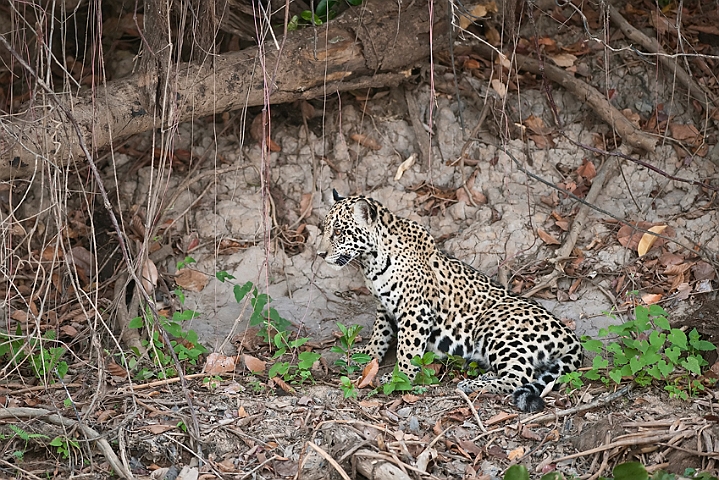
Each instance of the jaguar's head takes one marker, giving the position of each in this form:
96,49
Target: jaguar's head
347,230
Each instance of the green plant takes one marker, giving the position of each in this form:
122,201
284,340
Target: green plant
349,389
398,383
211,383
43,360
647,349
262,314
185,344
64,446
300,372
185,262
325,10
426,375
26,437
352,361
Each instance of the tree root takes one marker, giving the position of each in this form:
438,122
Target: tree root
585,93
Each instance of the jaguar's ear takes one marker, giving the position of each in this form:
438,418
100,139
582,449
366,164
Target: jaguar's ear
336,196
365,213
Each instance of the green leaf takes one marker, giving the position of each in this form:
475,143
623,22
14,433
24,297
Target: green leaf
673,354
241,291
691,363
616,375
307,359
593,345
361,358
516,472
678,338
184,315
662,323
62,369
136,322
635,365
592,375
552,476
641,313
657,311
599,362
57,442
665,368
279,369
630,471
223,275
657,339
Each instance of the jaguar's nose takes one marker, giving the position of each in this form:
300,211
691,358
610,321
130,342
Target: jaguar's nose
322,254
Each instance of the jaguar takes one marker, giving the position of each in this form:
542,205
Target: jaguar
431,301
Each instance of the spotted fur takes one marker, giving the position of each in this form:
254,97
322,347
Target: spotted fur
433,302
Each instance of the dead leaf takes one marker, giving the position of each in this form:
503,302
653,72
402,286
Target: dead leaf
476,13
283,385
306,205
683,291
529,434
68,330
254,364
218,363
515,454
149,276
563,224
409,398
679,269
191,279
703,271
158,428
366,141
647,240
682,131
651,298
564,59
497,452
115,370
500,417
632,116
547,238
499,87
536,125
369,373
551,200
587,170
404,166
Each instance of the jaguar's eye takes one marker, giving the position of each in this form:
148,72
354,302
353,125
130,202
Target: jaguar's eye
336,232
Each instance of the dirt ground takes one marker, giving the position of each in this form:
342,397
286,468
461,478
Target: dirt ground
480,190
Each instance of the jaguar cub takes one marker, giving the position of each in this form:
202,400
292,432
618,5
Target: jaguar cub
434,302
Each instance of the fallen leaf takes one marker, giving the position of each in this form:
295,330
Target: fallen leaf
283,385
306,205
191,279
499,87
679,269
547,238
149,276
683,291
68,330
369,373
632,116
587,170
242,413
647,240
703,271
409,398
682,131
476,13
651,298
158,428
254,364
500,417
515,454
404,166
564,59
529,434
563,224
536,125
551,200
218,363
115,370
365,141
497,452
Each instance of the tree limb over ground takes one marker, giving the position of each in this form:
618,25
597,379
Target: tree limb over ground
369,46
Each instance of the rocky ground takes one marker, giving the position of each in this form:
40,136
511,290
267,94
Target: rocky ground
492,189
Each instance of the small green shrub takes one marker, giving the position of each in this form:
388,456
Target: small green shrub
647,349
426,375
44,361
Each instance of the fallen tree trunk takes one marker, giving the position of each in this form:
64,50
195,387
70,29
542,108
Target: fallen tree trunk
368,46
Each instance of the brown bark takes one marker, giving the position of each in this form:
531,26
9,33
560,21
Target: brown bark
367,46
